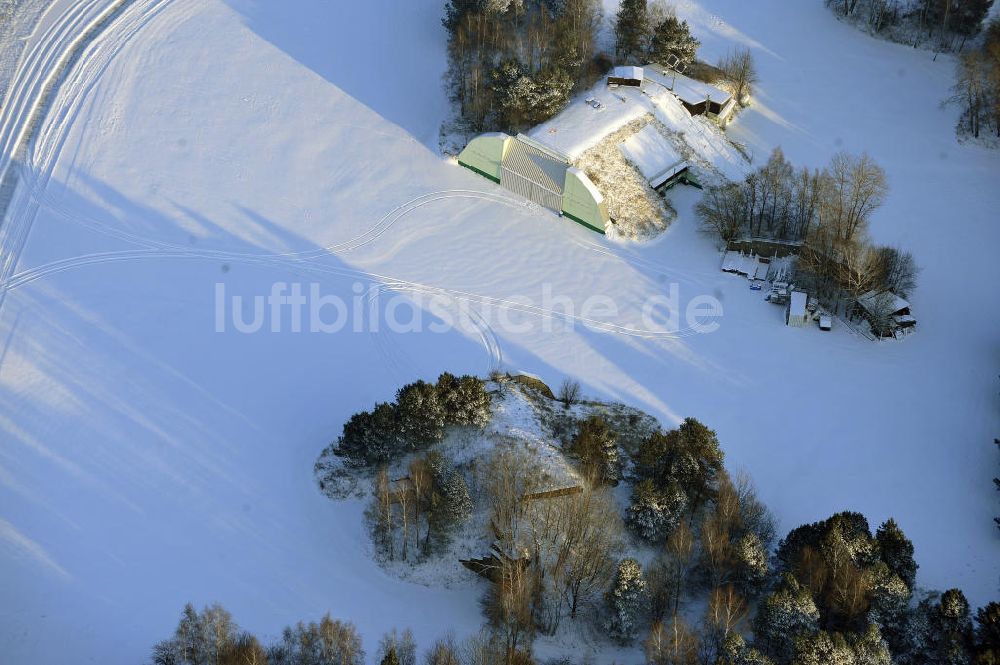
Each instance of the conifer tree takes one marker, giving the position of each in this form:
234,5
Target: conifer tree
625,601
631,27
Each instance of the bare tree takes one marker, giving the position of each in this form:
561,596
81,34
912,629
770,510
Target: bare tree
971,91
725,615
443,652
741,72
569,392
673,643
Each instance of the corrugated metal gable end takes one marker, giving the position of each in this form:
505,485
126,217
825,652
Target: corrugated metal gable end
528,161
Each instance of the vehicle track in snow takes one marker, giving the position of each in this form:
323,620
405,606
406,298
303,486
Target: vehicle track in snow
63,49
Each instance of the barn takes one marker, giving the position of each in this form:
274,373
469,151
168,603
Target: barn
538,173
626,76
796,314
698,97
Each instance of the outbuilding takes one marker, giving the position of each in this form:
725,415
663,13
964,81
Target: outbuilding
657,159
796,314
885,312
698,97
539,173
626,76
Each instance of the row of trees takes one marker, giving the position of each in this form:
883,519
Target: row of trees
977,86
513,63
949,23
417,419
827,212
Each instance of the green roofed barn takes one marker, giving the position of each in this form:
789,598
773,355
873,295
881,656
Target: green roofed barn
538,173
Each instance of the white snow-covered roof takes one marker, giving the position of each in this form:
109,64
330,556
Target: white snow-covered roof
629,72
873,301
687,89
653,154
797,305
579,126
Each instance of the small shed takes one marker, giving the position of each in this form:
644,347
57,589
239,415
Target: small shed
825,322
626,76
657,159
796,313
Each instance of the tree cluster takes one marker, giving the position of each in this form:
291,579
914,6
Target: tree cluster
946,24
825,212
555,554
415,421
513,63
652,33
977,86
419,512
676,473
211,637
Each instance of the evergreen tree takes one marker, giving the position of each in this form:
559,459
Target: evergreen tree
952,629
625,601
596,446
889,608
370,438
653,512
988,635
390,658
897,551
672,40
751,564
465,400
736,652
631,27
420,417
787,614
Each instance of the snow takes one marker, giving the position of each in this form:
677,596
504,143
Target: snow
797,306
651,153
580,127
148,460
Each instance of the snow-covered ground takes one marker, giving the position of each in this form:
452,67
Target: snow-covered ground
148,460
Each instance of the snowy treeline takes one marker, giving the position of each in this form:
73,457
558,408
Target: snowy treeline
977,86
413,422
941,24
697,584
827,211
513,63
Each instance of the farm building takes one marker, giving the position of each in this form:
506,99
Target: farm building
698,97
538,173
626,76
796,314
886,312
657,159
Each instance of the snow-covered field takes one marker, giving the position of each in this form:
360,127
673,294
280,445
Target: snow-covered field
148,460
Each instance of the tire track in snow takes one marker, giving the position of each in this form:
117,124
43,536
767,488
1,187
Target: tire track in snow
43,71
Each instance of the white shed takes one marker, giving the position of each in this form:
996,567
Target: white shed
796,313
626,76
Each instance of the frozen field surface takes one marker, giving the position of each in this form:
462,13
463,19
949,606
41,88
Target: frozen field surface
147,460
